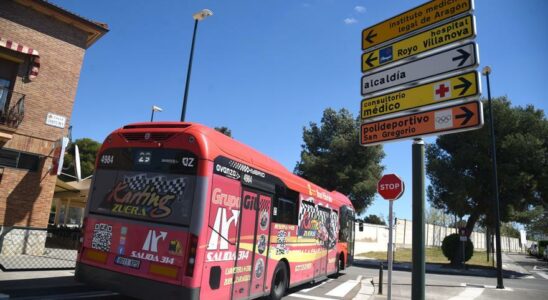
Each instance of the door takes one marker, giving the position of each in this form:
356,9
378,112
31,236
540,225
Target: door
324,228
252,247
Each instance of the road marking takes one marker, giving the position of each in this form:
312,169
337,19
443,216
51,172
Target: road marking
542,274
529,277
309,297
309,289
469,293
343,289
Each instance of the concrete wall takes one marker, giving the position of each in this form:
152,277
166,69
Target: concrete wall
375,237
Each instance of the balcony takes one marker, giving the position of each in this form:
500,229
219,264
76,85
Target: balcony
12,112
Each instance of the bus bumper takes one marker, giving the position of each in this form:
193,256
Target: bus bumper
132,286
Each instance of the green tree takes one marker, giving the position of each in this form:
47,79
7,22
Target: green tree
374,219
224,130
332,158
88,149
460,173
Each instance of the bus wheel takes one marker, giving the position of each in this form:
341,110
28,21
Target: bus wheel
340,265
279,282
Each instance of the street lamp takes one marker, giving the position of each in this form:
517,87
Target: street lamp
486,71
199,16
155,108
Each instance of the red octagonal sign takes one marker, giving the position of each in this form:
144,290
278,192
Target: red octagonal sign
390,187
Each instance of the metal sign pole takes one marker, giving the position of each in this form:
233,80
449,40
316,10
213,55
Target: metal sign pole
418,280
390,253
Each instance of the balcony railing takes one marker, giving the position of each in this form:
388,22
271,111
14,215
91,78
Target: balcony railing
12,108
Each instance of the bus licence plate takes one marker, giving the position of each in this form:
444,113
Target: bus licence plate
127,262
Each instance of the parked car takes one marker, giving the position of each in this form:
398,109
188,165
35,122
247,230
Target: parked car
533,249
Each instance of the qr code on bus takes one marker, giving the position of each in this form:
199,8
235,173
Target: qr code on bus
102,236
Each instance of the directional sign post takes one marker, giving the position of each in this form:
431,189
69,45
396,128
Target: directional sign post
414,19
455,118
461,87
418,81
456,58
453,31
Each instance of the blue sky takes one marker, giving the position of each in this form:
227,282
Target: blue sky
267,68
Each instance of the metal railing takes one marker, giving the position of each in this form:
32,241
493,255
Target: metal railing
29,249
12,108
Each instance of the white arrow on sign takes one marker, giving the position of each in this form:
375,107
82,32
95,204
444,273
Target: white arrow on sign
399,77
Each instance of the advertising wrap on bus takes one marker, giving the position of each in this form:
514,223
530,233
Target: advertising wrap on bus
149,192
147,184
146,251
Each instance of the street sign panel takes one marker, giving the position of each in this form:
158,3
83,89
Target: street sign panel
456,30
413,19
390,187
455,118
446,89
456,58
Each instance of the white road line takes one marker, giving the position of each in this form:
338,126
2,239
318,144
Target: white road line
309,297
309,289
342,289
542,274
469,293
529,277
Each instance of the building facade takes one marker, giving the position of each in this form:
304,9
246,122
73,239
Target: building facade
42,48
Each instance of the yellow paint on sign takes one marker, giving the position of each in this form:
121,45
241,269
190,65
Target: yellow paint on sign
443,90
411,20
457,30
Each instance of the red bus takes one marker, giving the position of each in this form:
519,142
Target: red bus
181,211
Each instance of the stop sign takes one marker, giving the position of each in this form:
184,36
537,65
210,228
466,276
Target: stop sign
390,187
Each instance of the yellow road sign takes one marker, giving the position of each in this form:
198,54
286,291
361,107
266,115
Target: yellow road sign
446,89
453,31
411,20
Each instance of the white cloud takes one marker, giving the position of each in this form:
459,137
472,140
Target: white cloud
360,9
349,21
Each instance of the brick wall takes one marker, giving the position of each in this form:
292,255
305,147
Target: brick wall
25,197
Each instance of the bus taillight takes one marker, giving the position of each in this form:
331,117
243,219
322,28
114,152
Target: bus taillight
81,238
191,258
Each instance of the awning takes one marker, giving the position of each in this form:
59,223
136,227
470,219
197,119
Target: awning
35,57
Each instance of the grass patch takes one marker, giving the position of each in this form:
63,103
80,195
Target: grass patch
433,255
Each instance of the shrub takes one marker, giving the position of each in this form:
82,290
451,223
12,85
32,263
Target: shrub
541,246
450,246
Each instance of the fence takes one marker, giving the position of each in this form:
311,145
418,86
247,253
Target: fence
370,237
26,248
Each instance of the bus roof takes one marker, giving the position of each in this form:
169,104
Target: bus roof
214,144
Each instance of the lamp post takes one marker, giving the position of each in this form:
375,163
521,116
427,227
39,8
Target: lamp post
155,108
486,71
199,16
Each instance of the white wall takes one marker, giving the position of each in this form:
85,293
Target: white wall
375,237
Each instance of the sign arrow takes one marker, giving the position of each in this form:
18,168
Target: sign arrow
370,59
463,57
464,86
369,37
468,114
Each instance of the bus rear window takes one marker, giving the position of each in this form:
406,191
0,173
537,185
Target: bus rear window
145,183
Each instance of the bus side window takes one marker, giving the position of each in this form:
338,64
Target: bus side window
286,208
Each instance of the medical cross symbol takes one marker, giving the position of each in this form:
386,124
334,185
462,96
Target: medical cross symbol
442,90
